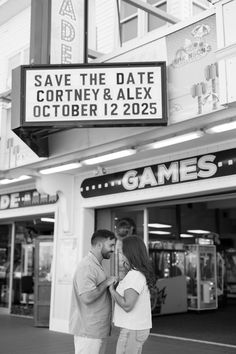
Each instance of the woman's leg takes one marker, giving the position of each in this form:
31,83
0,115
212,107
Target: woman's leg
122,341
131,341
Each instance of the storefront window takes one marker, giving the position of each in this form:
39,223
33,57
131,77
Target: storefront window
162,223
165,249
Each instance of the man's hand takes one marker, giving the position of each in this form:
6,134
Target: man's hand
91,296
111,280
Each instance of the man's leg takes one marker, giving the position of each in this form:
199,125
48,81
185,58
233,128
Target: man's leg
85,345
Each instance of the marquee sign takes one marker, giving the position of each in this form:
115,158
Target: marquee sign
218,164
107,94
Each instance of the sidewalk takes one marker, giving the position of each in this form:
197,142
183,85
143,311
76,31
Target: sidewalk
18,336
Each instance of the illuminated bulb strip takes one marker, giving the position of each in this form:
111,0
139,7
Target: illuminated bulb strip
108,157
70,166
13,180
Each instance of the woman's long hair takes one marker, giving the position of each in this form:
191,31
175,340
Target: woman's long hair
135,251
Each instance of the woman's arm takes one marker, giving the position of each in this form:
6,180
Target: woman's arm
127,301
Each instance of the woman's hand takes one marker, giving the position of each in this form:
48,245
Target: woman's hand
111,288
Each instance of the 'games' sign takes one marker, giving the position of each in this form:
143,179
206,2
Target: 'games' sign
218,164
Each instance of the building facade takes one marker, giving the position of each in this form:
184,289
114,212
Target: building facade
179,183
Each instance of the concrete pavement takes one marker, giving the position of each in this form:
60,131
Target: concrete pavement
18,336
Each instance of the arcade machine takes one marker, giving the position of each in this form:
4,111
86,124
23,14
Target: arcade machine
201,273
230,261
168,260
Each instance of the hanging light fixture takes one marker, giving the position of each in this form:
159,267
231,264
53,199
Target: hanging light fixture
60,168
174,140
221,127
13,180
109,157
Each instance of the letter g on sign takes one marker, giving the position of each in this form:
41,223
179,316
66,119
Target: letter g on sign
130,181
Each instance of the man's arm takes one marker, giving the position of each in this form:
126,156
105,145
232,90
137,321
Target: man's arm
90,296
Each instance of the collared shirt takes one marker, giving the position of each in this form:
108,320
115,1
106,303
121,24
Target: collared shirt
92,320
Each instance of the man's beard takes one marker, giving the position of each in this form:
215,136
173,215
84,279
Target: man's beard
107,255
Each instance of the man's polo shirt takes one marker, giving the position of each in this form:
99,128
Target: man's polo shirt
92,320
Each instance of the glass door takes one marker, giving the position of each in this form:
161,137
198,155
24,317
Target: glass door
5,264
126,222
42,286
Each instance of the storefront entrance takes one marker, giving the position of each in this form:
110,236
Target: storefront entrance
192,246
20,269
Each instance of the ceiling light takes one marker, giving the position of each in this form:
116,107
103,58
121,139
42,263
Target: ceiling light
186,235
69,166
175,140
13,180
159,232
48,219
199,231
205,241
108,157
219,128
2,2
157,225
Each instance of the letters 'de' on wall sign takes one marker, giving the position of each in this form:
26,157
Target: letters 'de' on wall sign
107,94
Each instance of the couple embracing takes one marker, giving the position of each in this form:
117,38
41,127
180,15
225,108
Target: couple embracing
91,305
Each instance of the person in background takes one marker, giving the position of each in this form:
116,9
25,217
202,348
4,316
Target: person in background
132,311
90,312
124,227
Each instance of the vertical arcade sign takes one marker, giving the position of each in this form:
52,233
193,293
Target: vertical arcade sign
68,31
58,31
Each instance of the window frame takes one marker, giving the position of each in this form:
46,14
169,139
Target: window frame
142,20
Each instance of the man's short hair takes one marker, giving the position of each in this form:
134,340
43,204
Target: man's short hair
98,235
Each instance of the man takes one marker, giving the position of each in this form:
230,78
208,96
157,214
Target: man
90,315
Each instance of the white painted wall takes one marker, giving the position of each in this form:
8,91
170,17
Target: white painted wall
226,53
14,39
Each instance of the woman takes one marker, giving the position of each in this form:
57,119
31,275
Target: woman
132,311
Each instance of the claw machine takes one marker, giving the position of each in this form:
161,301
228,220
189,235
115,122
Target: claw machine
201,277
168,261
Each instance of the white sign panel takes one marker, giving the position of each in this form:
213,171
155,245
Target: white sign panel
68,23
108,92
